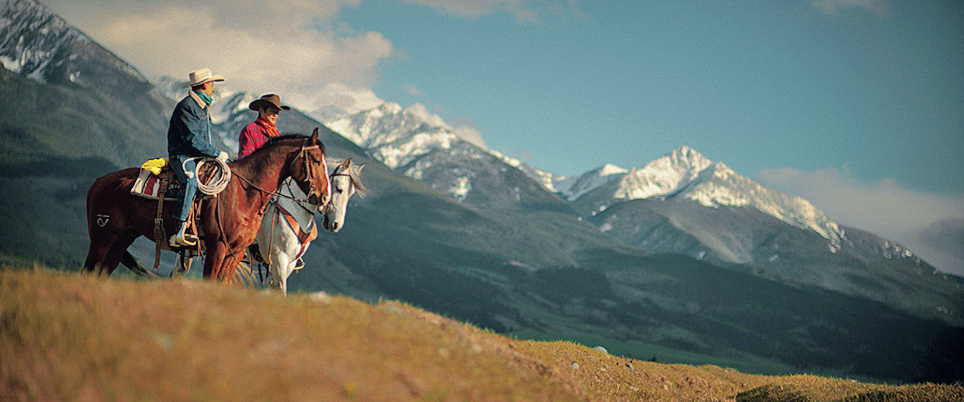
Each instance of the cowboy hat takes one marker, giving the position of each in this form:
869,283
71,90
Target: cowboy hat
268,100
198,77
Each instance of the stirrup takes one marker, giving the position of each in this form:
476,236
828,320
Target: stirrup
182,239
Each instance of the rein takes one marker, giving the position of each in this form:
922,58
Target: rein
311,186
303,154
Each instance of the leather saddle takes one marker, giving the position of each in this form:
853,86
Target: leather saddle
148,184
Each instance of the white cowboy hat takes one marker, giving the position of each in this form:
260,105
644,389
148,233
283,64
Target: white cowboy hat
198,77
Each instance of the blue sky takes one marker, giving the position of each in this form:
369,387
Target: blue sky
755,84
856,105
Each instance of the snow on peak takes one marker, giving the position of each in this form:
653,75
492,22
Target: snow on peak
663,176
397,136
388,108
32,37
685,173
610,169
574,187
394,135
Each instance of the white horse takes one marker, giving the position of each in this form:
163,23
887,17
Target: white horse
289,226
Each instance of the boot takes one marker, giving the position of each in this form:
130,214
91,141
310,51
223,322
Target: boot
182,239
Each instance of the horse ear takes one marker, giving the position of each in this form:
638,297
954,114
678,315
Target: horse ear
346,164
360,167
314,136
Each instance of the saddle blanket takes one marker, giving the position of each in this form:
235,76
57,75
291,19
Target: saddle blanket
148,184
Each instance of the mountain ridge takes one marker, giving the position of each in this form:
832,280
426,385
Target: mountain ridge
685,173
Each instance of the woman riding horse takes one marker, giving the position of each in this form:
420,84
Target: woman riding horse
229,222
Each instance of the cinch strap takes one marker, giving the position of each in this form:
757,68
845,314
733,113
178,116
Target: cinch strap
303,237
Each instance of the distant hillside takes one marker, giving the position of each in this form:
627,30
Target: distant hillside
69,337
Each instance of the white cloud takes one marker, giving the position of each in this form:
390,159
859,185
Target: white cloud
471,134
466,129
469,8
295,48
413,90
423,113
524,11
878,7
334,100
883,208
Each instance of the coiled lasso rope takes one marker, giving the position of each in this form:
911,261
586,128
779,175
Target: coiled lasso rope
219,179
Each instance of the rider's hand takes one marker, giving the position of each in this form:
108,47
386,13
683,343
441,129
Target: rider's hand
223,157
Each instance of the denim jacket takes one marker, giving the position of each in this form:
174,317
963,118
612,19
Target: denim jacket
189,134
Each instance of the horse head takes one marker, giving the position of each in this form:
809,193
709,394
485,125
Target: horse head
345,181
310,171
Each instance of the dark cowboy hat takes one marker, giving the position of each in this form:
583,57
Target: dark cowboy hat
268,100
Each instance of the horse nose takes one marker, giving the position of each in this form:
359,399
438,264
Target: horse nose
334,226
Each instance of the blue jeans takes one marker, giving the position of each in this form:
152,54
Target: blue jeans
185,196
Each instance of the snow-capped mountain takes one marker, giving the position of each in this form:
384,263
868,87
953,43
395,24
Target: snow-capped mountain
684,203
95,90
30,52
574,187
423,146
685,173
38,44
394,135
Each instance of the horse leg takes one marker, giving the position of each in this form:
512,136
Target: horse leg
280,269
232,259
213,260
181,265
102,239
135,266
220,263
116,251
95,257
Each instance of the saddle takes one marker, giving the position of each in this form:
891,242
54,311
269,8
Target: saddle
149,185
154,173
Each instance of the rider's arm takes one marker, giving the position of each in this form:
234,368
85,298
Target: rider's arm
247,143
193,120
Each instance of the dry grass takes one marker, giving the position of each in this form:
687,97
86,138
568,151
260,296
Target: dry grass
70,337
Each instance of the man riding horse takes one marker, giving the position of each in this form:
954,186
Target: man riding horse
189,137
256,134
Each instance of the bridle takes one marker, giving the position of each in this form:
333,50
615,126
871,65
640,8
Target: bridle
334,174
303,154
311,185
301,202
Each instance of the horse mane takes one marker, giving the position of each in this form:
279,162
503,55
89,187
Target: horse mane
354,175
274,140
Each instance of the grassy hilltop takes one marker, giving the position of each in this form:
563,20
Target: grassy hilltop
69,337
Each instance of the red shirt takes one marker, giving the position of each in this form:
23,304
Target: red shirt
255,135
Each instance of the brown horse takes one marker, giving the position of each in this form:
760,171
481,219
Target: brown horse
228,222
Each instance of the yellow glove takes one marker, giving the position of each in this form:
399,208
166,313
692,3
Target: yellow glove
155,165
